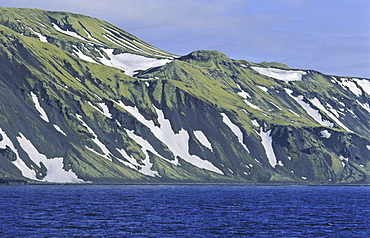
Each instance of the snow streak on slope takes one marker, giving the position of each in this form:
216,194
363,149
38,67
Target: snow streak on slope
59,129
267,144
146,169
178,143
318,104
41,37
351,85
107,153
55,171
130,62
310,111
104,107
235,129
67,32
19,163
203,139
83,56
39,108
281,74
244,95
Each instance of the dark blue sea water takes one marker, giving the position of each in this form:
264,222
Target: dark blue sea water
184,211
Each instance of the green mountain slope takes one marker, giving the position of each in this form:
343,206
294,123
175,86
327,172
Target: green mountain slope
83,101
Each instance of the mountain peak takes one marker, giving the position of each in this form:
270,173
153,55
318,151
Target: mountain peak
204,55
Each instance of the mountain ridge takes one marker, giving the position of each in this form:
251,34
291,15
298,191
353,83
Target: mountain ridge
83,101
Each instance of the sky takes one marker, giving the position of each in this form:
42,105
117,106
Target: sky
330,36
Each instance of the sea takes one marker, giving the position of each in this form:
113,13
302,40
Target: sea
184,211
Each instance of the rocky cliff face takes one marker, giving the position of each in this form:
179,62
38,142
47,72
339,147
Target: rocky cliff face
83,101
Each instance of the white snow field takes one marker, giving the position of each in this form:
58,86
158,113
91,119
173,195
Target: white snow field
281,74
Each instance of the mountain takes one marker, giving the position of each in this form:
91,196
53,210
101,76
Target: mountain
82,101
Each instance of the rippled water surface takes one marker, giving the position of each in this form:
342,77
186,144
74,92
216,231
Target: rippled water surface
184,211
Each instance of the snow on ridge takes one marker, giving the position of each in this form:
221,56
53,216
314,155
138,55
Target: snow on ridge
267,144
42,112
235,129
67,32
281,74
54,166
368,147
351,85
203,139
131,62
364,84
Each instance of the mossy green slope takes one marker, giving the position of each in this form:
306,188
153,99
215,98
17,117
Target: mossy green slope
107,125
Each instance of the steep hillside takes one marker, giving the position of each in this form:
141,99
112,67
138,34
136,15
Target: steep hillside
84,101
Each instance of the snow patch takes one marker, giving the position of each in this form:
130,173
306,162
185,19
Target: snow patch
243,93
281,74
67,32
41,37
364,84
55,171
42,112
130,62
263,88
203,139
267,144
235,129
368,147
59,129
252,105
19,163
325,134
344,160
104,110
255,123
83,56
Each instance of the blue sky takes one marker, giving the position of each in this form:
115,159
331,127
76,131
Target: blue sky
331,36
